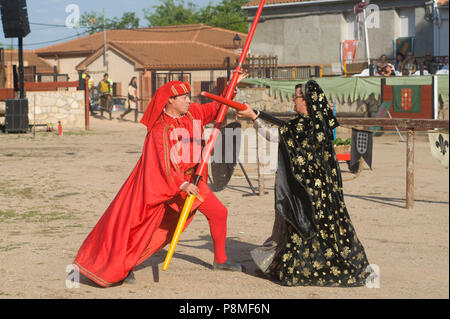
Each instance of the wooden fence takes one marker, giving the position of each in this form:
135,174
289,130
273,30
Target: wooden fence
409,125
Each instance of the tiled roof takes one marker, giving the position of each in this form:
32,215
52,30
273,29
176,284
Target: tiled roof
30,58
194,32
167,55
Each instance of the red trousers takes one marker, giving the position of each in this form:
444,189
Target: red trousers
216,214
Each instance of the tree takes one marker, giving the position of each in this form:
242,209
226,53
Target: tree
93,21
227,14
128,21
172,12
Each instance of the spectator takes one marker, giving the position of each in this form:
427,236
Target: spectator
384,68
399,61
429,64
410,64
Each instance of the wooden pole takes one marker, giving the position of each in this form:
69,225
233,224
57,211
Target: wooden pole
260,168
86,103
410,169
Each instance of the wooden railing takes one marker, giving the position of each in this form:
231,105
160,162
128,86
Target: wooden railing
49,86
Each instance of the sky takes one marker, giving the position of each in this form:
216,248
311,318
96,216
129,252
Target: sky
48,18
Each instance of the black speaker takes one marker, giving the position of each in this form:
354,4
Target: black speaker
16,116
15,18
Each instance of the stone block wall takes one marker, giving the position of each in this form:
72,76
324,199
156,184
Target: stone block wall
51,107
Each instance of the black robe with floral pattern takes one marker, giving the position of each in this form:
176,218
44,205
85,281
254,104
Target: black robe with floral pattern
320,247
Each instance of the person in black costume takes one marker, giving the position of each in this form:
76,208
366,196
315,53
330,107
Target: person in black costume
313,240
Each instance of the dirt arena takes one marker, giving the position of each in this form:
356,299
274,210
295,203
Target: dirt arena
54,189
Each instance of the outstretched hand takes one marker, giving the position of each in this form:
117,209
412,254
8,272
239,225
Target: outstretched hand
247,114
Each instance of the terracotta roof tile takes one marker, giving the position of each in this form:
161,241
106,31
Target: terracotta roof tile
30,58
162,55
198,32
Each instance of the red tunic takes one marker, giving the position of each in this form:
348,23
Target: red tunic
119,240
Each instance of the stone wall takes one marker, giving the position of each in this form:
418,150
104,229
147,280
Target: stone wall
51,107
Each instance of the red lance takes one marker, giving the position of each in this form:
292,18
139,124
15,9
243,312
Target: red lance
212,139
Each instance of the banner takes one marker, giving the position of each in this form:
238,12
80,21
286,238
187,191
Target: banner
406,98
349,51
439,146
404,45
362,146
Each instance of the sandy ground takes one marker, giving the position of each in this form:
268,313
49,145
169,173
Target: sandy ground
54,189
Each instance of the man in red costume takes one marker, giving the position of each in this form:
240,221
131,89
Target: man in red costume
143,216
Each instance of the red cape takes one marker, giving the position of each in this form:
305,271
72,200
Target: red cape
128,231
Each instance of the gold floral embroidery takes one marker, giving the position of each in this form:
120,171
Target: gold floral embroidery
321,97
296,239
287,256
329,253
345,252
299,160
317,183
305,254
290,142
315,245
320,136
317,265
306,272
336,272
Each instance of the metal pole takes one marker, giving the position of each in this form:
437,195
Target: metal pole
21,80
435,29
434,85
366,37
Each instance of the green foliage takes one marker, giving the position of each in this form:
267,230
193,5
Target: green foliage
172,12
338,141
227,14
94,21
